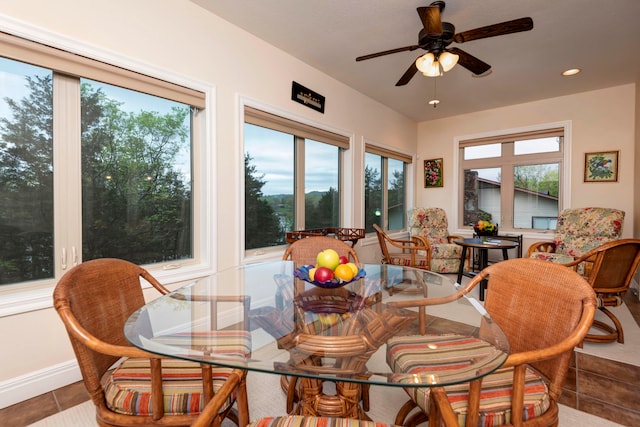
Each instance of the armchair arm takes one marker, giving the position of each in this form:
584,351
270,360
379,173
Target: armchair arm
415,243
86,338
587,259
541,247
452,237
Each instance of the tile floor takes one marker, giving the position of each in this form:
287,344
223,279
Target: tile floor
24,413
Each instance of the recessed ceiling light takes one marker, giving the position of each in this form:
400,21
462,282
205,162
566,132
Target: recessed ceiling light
571,72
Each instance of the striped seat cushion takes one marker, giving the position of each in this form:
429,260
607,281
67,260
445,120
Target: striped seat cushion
451,353
495,398
609,300
128,388
398,259
447,355
302,421
228,343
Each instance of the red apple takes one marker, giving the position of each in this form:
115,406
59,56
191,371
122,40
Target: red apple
323,274
343,259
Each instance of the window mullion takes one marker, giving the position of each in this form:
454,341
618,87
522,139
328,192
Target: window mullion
506,196
299,189
385,192
67,174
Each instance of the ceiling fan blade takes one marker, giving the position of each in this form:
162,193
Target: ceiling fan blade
470,62
515,26
431,20
408,75
387,52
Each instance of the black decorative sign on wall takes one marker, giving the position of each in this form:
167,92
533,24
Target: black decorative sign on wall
307,97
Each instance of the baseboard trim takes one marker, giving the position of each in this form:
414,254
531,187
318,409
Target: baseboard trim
35,383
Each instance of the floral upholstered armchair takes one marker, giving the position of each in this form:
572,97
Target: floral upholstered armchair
578,231
431,225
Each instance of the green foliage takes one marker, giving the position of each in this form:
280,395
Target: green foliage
537,178
262,225
322,212
135,204
373,197
26,185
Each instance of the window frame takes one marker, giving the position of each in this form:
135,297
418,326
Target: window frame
564,196
35,295
386,154
299,127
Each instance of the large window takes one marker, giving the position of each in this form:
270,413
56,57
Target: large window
385,190
512,180
95,161
292,178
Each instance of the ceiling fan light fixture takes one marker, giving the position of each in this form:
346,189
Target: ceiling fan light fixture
424,62
448,60
433,70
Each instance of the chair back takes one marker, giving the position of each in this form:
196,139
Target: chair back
94,300
538,304
613,266
305,250
382,240
582,229
430,223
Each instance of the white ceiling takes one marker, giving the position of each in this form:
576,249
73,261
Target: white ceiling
600,37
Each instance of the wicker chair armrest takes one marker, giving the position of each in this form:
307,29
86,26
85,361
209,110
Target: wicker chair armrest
541,247
154,282
422,241
423,302
75,328
413,245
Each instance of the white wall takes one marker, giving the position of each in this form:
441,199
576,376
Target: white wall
601,120
181,37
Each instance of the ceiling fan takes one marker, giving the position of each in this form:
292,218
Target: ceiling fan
437,35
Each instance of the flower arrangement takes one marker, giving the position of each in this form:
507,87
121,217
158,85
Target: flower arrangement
485,228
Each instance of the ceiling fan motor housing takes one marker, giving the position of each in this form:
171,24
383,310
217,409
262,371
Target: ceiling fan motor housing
437,44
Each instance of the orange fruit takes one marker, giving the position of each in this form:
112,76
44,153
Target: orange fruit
344,272
354,268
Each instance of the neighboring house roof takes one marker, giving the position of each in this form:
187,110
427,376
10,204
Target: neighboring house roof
486,183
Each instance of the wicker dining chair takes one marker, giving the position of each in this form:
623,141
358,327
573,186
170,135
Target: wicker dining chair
413,252
129,386
545,310
610,269
305,251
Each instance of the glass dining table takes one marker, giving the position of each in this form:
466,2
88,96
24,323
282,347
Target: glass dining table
328,343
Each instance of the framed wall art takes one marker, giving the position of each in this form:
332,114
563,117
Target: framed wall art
601,166
433,173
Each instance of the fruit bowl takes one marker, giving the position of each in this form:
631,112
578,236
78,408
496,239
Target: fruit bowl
303,274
